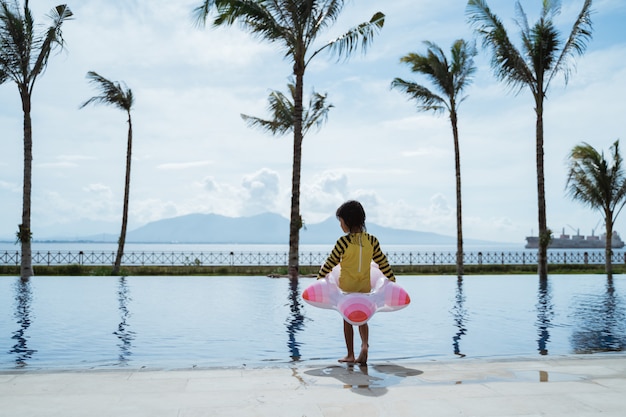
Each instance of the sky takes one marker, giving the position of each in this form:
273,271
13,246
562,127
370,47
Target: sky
192,152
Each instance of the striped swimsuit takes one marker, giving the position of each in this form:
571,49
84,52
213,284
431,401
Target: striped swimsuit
355,251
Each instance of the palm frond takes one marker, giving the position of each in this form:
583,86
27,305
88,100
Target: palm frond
618,177
15,43
426,99
323,14
53,38
272,126
316,114
361,36
111,93
506,60
521,19
282,110
463,68
201,12
259,18
543,46
576,43
448,76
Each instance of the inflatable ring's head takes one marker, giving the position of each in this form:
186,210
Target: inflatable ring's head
356,308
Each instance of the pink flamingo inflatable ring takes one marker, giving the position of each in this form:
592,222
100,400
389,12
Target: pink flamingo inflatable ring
356,307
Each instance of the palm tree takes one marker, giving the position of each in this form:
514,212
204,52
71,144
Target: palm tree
543,55
450,79
121,97
295,25
24,55
599,184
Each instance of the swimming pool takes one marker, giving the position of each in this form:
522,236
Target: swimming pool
185,322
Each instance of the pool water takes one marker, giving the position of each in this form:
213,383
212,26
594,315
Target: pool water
184,322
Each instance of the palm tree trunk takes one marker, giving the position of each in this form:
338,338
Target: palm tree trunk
26,267
296,220
122,239
544,235
459,217
608,247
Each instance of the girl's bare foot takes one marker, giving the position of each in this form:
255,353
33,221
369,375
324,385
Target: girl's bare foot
347,359
362,359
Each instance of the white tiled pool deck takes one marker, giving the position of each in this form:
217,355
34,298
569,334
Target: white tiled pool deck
586,385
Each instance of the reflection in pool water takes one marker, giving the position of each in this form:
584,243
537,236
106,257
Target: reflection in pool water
601,319
23,300
182,322
123,332
295,320
545,315
459,314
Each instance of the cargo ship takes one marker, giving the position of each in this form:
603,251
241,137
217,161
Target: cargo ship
577,241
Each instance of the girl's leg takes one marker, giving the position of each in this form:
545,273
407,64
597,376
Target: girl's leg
364,332
348,333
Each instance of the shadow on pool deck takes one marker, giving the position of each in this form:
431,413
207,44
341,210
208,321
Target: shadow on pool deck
364,379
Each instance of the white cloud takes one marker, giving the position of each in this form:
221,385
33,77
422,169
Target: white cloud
263,192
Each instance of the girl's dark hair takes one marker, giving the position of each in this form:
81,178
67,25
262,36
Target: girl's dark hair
353,215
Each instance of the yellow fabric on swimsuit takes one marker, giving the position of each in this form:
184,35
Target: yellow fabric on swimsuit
355,252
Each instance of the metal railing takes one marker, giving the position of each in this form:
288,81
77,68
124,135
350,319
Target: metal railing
174,258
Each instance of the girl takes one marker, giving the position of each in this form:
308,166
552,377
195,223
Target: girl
355,251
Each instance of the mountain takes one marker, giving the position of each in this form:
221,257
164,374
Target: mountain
267,228
214,228
329,230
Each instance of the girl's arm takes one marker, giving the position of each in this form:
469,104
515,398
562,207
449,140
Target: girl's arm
379,257
334,258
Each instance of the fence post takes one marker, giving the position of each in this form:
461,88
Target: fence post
586,258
